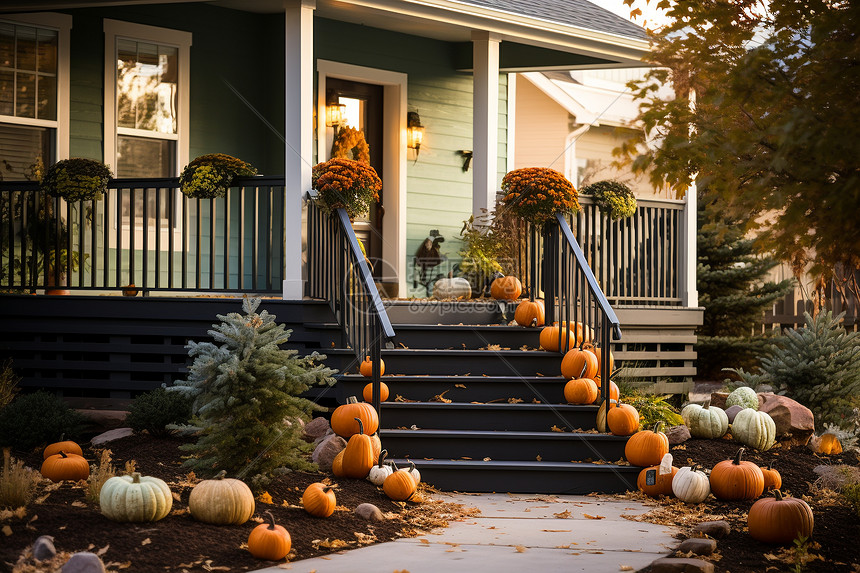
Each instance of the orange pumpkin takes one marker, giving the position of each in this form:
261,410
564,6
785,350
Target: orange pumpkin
506,288
584,334
653,483
343,418
399,486
269,541
366,367
580,391
623,420
579,364
376,442
530,313
337,465
319,499
736,479
67,446
599,353
780,519
63,466
614,392
772,479
367,393
550,337
829,444
358,456
647,448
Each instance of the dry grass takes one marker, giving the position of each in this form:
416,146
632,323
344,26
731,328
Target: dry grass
99,474
17,482
8,383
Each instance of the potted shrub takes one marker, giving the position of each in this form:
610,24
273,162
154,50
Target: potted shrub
613,198
76,179
345,183
209,176
536,194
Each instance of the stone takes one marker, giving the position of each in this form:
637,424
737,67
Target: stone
678,434
714,529
732,411
791,417
369,512
718,399
316,428
43,548
324,436
698,545
325,452
84,562
677,565
111,435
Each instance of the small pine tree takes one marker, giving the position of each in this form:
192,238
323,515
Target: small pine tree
247,399
729,280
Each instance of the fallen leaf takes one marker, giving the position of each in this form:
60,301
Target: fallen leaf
103,550
146,541
514,400
459,385
538,458
78,504
176,496
626,568
520,549
265,497
556,428
563,514
487,459
424,541
557,531
593,516
7,531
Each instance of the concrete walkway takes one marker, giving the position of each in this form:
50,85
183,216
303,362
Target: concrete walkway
540,533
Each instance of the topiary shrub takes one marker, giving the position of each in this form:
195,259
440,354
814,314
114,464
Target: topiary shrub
154,410
35,419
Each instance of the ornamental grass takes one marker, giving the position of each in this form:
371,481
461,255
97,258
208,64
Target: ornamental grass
538,193
348,184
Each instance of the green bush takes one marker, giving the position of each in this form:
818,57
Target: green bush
36,419
156,409
613,198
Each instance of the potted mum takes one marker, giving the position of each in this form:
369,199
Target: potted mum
76,179
536,194
613,198
345,183
210,176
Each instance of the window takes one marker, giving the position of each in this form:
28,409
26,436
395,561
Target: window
33,92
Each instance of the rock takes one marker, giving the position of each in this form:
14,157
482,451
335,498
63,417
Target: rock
43,548
714,529
316,428
369,512
111,435
718,399
324,436
791,417
675,565
814,443
698,545
835,476
732,411
678,434
84,563
325,452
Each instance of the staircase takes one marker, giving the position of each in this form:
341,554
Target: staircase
476,412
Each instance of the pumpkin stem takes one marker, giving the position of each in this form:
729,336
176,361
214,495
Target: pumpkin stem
706,404
382,455
272,518
778,495
737,460
411,467
584,368
770,466
62,453
360,425
221,475
135,477
658,426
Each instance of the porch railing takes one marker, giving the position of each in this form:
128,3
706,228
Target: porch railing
146,233
339,273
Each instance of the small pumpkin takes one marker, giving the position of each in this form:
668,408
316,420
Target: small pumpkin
705,421
623,420
337,464
736,479
647,448
780,519
67,446
414,473
135,498
380,471
506,288
691,485
63,466
452,287
579,364
343,418
601,415
319,499
399,486
772,479
358,455
754,429
269,541
657,480
367,392
550,337
829,444
580,391
366,367
584,334
744,397
614,392
221,501
530,313
376,442
599,353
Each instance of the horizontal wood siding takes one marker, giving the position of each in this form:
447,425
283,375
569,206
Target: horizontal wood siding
542,128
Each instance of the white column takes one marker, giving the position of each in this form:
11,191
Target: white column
485,123
298,133
689,293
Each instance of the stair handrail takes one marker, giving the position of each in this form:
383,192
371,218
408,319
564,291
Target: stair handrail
332,243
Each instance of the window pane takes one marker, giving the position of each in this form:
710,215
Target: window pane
47,56
7,93
7,45
125,79
21,148
47,97
25,95
141,157
25,48
146,86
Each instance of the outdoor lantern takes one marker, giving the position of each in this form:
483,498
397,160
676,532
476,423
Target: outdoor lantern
333,110
414,132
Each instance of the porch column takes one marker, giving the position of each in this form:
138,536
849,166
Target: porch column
485,123
298,134
688,291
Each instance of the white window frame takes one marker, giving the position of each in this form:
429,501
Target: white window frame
62,23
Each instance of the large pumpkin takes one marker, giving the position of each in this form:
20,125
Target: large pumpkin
452,287
343,421
135,498
657,480
399,486
358,456
579,364
735,479
754,429
550,337
221,501
745,397
599,353
705,421
623,420
269,541
367,392
67,446
530,313
647,448
829,444
506,288
366,367
580,391
691,485
63,466
779,519
319,500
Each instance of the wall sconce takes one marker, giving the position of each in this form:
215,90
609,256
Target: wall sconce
334,110
414,132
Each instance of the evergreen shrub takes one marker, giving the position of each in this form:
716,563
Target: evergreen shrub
154,410
36,419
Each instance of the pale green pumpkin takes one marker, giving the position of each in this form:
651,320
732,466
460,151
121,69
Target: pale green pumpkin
745,397
135,498
754,429
705,421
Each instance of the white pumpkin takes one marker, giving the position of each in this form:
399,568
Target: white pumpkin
754,429
379,472
455,287
691,486
135,498
745,397
705,421
413,471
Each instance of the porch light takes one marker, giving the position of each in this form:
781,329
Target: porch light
414,132
334,110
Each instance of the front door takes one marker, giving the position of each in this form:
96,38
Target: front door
363,111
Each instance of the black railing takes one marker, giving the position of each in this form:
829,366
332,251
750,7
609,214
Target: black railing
146,233
559,273
339,273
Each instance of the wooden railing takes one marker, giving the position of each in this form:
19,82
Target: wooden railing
144,232
338,272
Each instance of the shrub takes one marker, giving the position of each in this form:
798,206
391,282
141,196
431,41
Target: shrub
210,176
35,419
8,383
154,410
613,198
77,179
17,482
